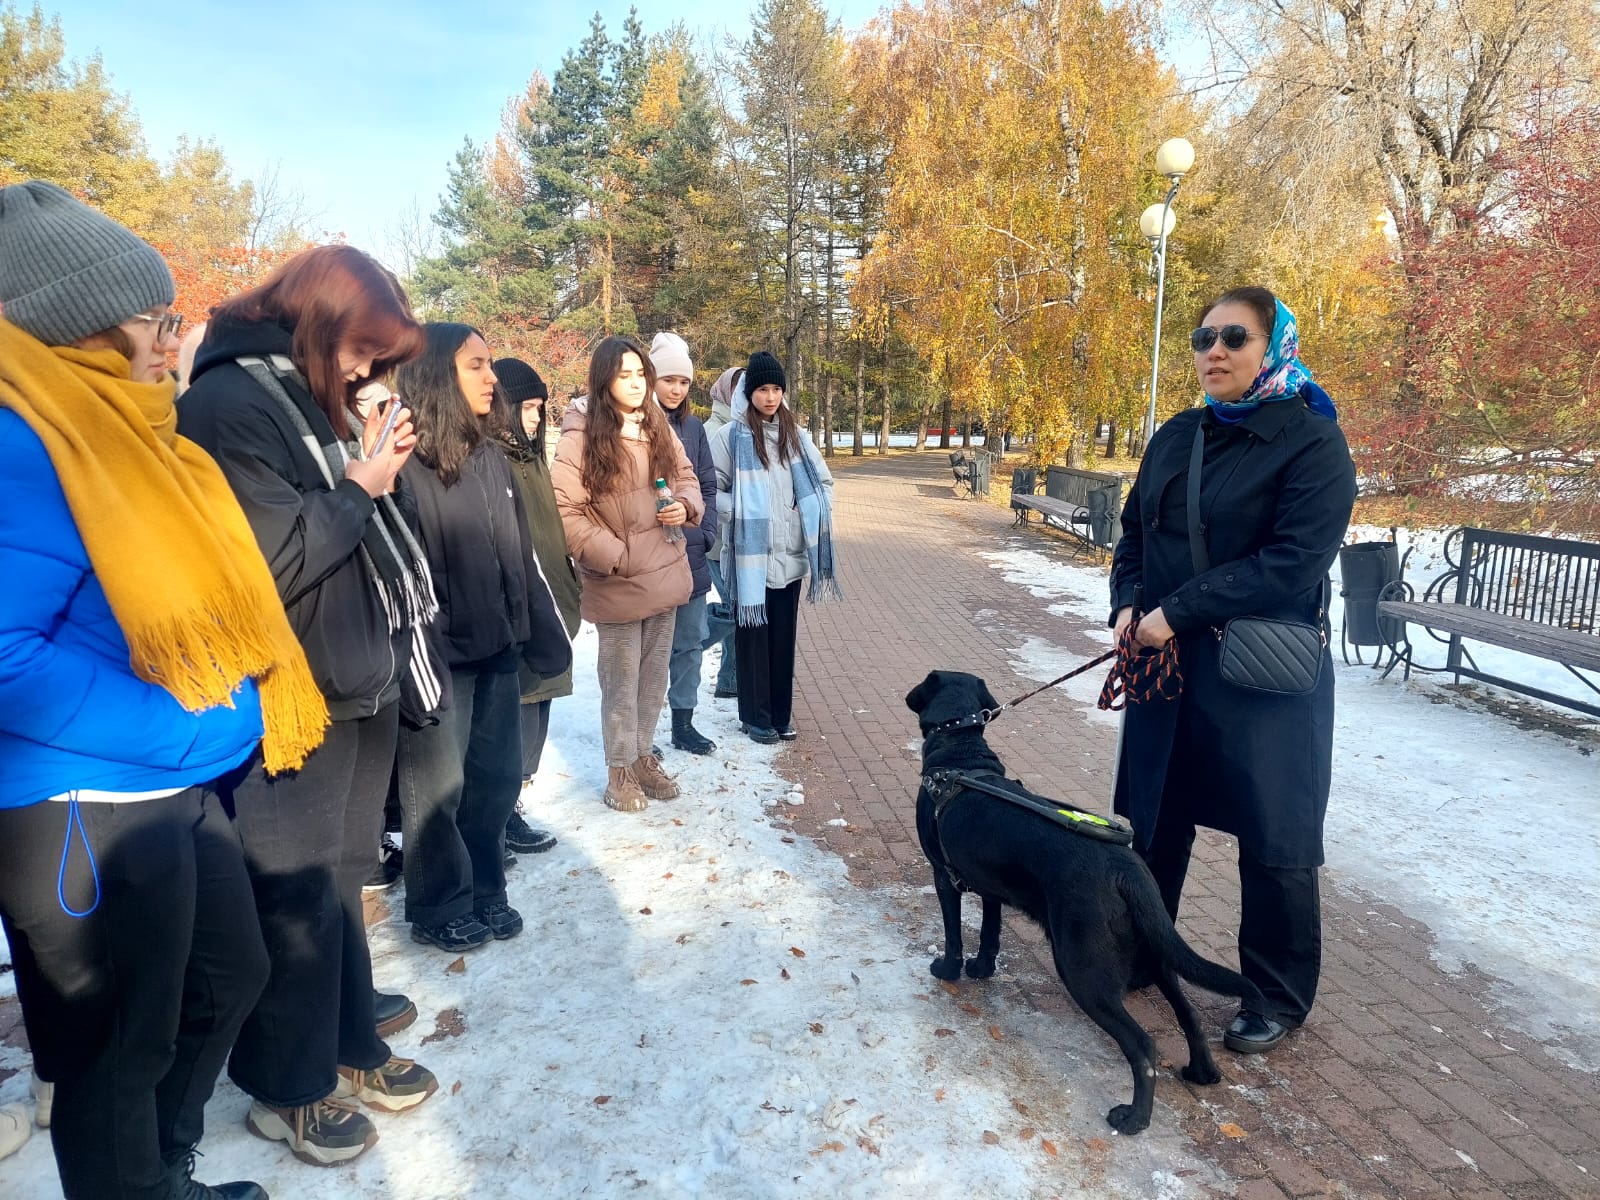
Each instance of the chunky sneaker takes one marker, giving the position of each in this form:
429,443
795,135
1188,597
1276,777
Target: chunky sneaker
181,1181
464,933
394,1087
653,781
622,790
392,1011
391,865
503,920
323,1134
523,838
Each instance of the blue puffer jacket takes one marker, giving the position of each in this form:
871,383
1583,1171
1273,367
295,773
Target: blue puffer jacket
72,713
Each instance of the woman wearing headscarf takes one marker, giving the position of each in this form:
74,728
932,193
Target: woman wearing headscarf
1275,488
775,499
143,651
524,441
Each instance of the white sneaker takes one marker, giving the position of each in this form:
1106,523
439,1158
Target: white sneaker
44,1097
15,1128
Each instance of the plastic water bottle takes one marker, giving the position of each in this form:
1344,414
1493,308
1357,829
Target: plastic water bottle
665,499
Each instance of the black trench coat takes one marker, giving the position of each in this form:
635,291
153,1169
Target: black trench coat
1276,494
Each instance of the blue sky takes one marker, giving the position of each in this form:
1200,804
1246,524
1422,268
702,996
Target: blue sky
361,104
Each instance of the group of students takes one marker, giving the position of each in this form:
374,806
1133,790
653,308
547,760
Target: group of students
237,622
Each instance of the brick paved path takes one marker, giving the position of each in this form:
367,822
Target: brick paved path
1403,1083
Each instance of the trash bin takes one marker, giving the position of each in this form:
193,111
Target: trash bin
1365,569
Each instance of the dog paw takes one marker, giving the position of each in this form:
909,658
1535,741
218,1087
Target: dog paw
1127,1120
980,967
945,968
1201,1073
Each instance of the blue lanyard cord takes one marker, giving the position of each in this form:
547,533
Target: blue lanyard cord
75,819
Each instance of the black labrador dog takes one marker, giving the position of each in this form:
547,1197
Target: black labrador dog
1096,901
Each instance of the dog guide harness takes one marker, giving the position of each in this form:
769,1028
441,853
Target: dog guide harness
945,786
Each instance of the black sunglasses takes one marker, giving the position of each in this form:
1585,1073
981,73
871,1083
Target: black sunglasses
1233,337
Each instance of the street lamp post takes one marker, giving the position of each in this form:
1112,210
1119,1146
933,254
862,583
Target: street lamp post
1174,159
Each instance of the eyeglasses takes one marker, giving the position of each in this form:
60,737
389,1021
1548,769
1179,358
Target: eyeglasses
167,326
1233,337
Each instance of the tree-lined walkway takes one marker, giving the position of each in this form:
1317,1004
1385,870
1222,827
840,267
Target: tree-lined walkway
1403,1084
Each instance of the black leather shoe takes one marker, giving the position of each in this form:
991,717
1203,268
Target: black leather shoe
764,734
184,1186
788,733
725,694
392,1011
1252,1033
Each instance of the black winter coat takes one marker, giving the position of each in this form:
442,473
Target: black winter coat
494,605
698,539
1276,495
307,532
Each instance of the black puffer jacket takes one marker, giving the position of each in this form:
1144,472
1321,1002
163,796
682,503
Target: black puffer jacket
494,603
308,532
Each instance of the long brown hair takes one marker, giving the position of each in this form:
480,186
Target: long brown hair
604,455
788,433
448,431
333,298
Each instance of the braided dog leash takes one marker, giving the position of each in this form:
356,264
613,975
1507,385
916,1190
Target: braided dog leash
1140,673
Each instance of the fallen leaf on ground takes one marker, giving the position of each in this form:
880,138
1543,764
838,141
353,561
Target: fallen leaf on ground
991,1138
826,1146
668,875
1229,1129
949,987
944,1032
645,911
967,1006
994,1032
1026,1132
683,938
867,1144
602,1099
448,1024
455,1088
815,1027
1047,1146
1098,1145
574,873
939,1095
713,878
1020,1107
746,982
677,822
797,952
459,967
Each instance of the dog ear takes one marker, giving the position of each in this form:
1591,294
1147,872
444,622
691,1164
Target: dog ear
917,698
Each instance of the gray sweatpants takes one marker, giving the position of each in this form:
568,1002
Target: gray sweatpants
634,658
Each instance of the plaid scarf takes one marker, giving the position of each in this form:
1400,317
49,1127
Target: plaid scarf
751,544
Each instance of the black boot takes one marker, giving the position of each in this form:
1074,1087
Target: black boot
181,1181
685,736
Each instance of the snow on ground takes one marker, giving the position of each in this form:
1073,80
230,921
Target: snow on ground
702,1005
1484,831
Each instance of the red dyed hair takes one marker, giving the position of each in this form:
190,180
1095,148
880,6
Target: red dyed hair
334,298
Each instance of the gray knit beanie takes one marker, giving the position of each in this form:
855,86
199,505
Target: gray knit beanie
67,271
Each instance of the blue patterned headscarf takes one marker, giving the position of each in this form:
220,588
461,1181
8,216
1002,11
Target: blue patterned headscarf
1283,376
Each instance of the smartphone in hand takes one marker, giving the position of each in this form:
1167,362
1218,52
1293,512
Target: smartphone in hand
391,417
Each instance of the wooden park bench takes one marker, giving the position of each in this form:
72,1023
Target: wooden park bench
1535,595
1086,505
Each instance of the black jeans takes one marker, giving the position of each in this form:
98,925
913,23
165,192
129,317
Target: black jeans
130,1011
459,781
1280,922
535,719
766,661
310,837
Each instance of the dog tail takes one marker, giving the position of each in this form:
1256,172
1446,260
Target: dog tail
1138,888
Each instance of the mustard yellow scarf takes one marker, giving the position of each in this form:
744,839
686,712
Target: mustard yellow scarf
166,538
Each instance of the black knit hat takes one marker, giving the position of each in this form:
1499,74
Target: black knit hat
763,369
519,381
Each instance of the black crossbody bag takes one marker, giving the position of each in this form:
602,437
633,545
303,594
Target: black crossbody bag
1258,653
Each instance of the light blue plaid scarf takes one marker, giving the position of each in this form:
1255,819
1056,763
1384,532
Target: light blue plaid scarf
751,543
